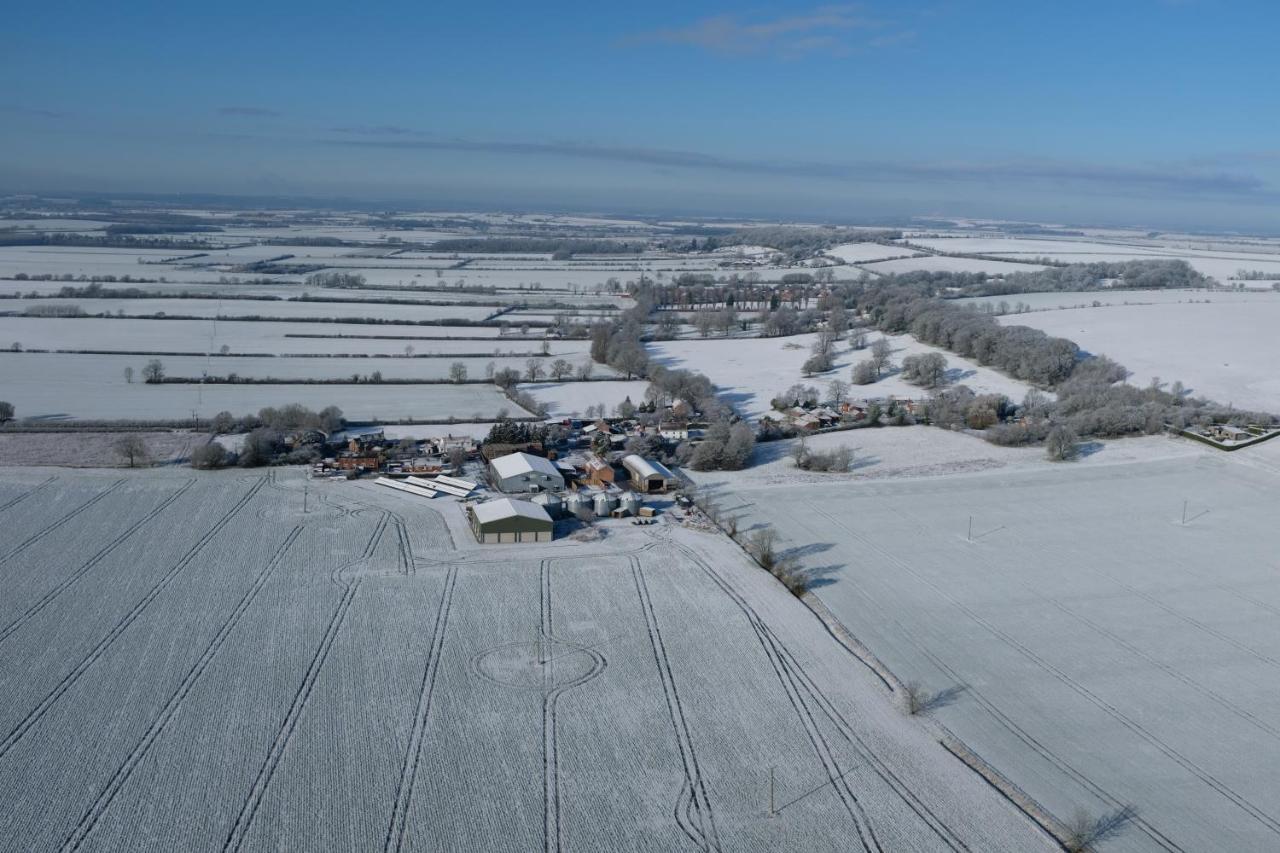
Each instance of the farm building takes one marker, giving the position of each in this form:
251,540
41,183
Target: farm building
648,476
521,472
509,521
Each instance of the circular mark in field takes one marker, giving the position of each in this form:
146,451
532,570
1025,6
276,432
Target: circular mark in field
549,664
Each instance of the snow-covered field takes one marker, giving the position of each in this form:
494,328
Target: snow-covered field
354,673
1100,652
936,263
1226,349
856,253
1068,299
200,336
749,372
259,308
81,388
570,399
1221,261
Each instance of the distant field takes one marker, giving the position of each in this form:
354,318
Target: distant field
201,336
750,371
259,308
568,399
1225,350
197,662
862,252
60,387
935,263
1102,652
1218,260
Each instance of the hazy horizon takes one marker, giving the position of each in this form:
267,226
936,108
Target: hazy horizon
834,112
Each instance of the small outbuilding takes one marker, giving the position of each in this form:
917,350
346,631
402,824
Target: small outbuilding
647,475
507,521
524,472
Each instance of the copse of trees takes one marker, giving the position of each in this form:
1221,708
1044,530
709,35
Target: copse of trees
335,279
560,247
798,241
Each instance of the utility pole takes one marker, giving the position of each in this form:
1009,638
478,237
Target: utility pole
305,489
969,537
1184,513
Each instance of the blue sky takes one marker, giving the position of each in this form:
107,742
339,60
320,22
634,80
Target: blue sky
1159,112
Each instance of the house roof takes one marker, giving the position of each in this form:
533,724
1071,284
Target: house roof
515,464
507,508
646,468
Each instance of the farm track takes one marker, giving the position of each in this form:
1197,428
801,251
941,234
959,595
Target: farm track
417,739
158,725
49,528
257,792
700,826
99,649
1007,723
14,501
788,670
1241,802
79,573
553,831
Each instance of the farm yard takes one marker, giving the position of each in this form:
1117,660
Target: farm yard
347,670
1101,643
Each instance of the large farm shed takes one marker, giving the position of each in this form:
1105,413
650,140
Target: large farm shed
648,476
509,521
523,472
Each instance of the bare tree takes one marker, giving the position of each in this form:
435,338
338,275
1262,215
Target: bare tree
838,391
1061,443
458,372
561,370
128,374
880,354
533,369
153,371
132,448
6,411
584,370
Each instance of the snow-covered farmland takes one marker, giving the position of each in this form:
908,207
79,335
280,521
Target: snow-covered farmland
858,253
938,263
201,336
1219,261
207,662
749,372
569,399
80,387
1225,349
1102,653
259,308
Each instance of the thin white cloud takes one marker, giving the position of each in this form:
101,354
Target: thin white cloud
826,29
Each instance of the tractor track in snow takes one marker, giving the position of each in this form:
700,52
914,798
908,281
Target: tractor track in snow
107,795
49,528
80,572
417,739
699,817
1237,799
101,647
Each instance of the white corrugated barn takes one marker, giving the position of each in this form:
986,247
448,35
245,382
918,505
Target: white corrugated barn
523,472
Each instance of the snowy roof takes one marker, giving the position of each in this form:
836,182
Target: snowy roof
646,468
508,508
515,464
